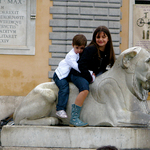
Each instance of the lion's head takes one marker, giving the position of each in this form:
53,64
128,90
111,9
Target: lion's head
135,62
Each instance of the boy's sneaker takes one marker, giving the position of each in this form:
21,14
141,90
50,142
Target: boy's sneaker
61,114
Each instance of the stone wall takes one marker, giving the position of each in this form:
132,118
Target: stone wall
81,16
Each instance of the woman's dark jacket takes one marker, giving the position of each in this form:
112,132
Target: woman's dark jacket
89,60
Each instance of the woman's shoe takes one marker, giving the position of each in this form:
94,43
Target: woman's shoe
75,114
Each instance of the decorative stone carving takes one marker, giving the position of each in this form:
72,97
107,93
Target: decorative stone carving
116,98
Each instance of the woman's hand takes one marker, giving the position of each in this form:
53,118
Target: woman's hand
93,77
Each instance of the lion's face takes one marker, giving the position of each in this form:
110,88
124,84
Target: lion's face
136,63
142,71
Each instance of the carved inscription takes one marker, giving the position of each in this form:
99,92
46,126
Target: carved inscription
13,22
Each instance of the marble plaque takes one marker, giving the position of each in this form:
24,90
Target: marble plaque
17,27
141,26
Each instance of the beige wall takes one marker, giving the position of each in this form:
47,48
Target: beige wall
20,74
124,34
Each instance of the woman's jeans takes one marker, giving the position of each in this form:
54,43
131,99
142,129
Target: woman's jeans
80,82
63,93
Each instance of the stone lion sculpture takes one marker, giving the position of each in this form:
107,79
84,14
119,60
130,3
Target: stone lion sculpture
116,98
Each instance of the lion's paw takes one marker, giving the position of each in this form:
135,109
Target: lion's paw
48,121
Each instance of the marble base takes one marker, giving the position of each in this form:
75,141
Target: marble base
74,137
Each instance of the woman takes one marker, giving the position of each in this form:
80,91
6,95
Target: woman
96,57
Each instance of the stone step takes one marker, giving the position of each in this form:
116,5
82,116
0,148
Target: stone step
74,137
33,148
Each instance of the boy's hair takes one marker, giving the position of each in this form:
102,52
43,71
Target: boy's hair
79,40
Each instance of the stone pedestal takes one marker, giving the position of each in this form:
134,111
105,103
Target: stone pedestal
73,137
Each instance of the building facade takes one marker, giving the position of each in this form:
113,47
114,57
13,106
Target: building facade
56,22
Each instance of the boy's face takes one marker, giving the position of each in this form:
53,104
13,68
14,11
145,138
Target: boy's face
78,49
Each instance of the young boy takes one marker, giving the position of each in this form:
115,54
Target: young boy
62,71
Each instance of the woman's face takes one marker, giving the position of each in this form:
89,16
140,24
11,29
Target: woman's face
101,40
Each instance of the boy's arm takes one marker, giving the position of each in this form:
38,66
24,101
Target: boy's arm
72,61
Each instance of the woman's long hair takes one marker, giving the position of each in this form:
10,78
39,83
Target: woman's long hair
109,46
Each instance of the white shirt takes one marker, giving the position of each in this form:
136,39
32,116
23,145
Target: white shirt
66,64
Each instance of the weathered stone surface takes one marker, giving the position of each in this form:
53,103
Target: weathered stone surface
8,105
33,148
72,137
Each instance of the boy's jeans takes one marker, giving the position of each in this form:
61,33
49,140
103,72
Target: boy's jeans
63,93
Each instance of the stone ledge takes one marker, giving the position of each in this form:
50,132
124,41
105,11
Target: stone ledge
71,137
31,148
